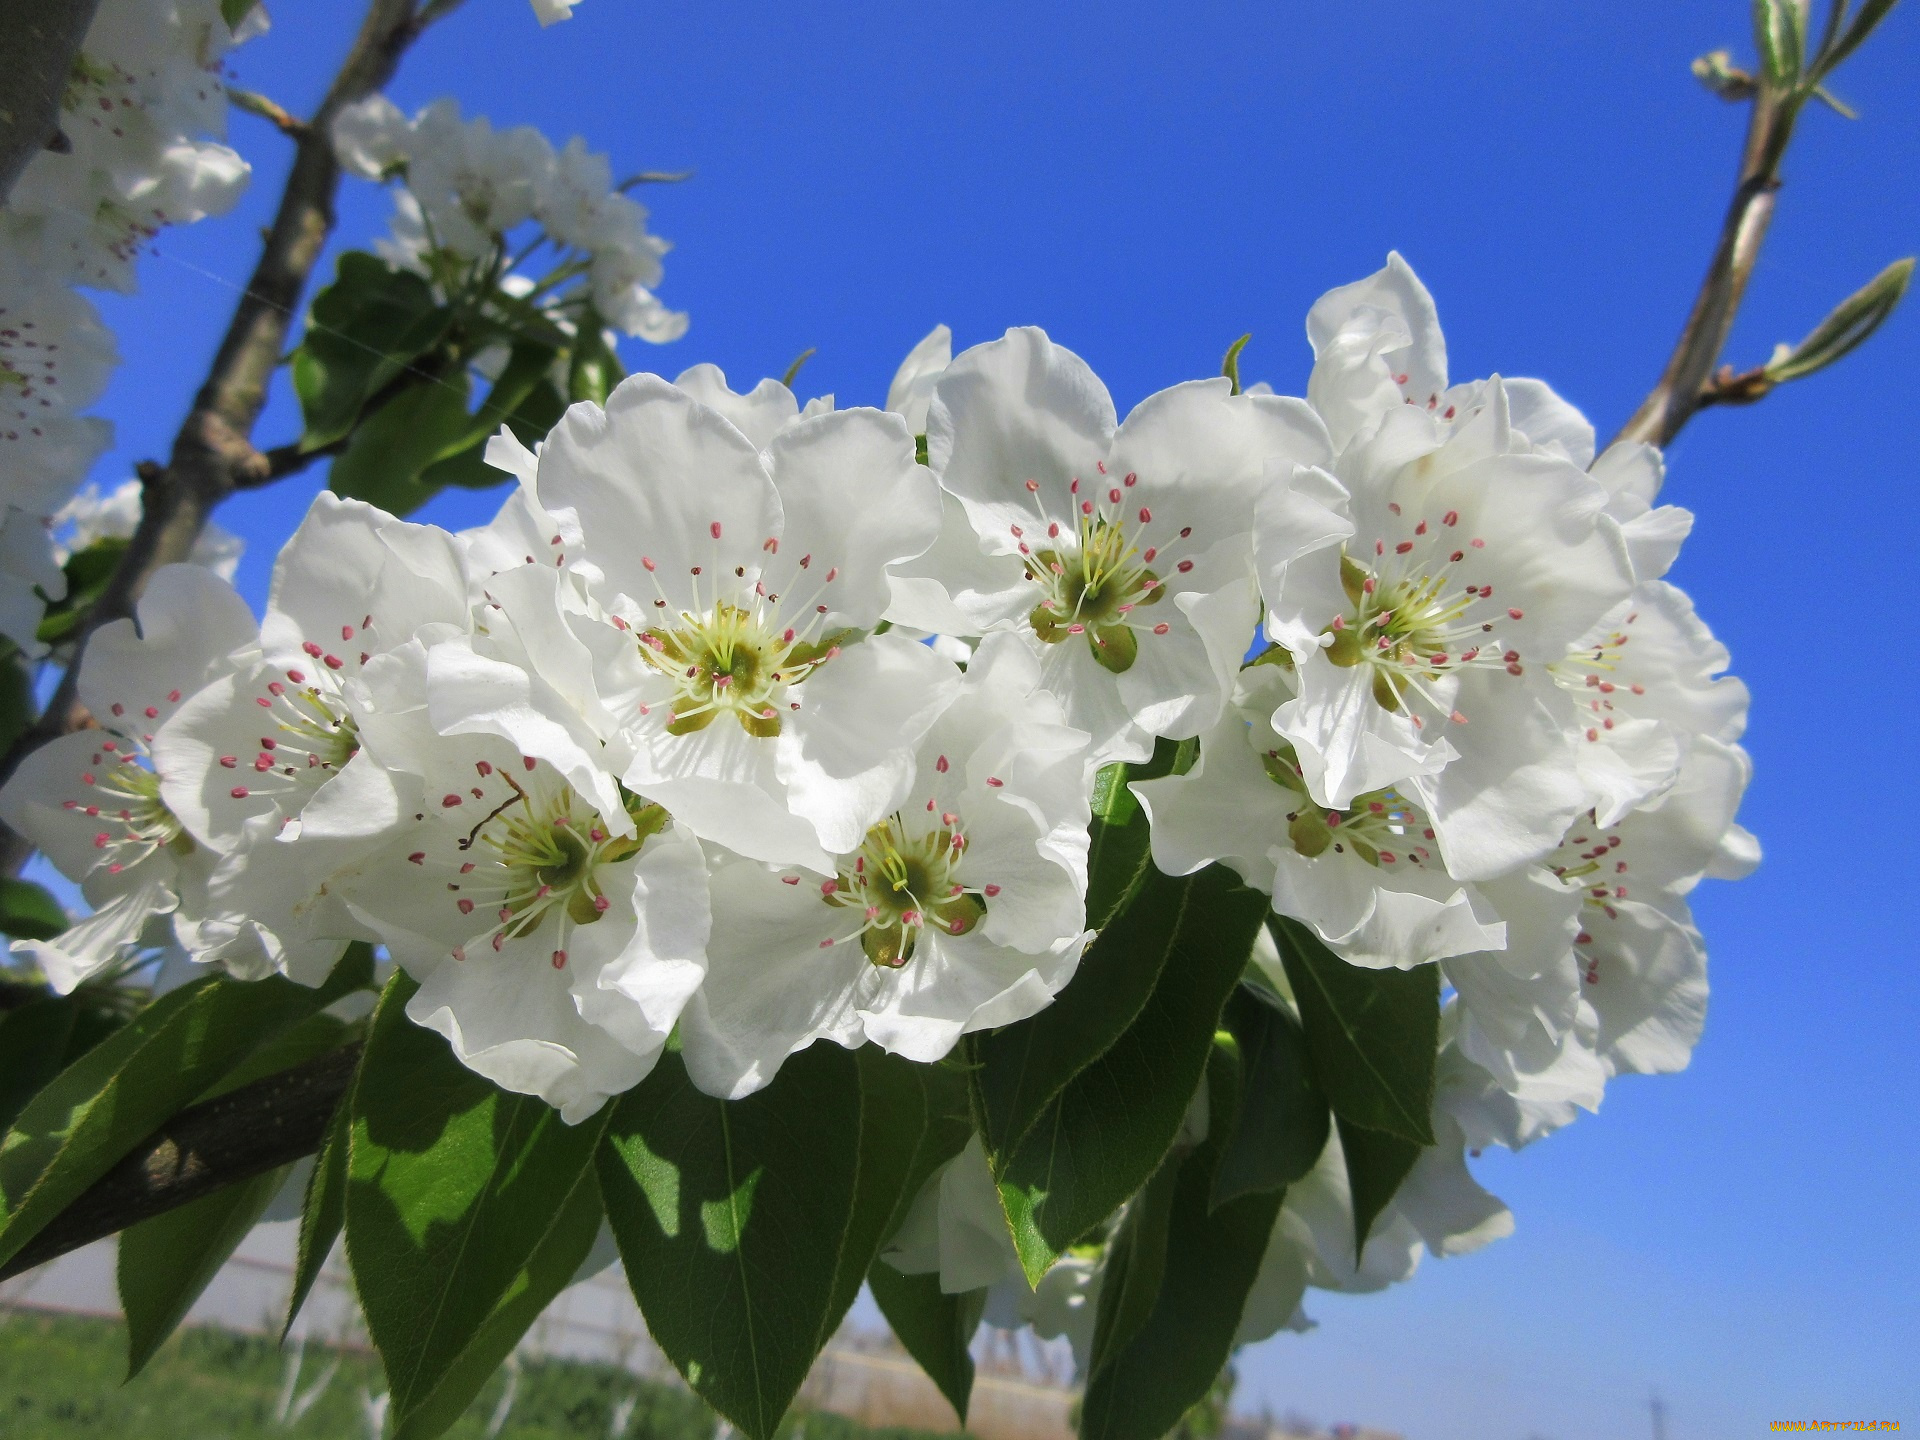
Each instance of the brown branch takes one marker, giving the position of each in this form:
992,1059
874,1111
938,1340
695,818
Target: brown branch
1687,378
39,39
204,1148
212,453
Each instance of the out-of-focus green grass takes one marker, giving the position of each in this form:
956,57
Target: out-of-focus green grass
60,1379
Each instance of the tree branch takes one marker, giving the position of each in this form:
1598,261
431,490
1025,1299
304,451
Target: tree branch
204,1148
212,453
1679,393
40,39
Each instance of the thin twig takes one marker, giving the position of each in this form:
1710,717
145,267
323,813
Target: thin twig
289,459
1678,395
254,103
212,453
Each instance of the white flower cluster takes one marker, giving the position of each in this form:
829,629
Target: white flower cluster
738,720
466,187
144,93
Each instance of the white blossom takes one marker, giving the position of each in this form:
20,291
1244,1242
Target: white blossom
1118,553
555,942
90,517
738,589
92,801
1422,591
911,391
962,909
1368,877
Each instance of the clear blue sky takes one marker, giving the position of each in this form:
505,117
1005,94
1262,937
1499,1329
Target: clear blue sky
1147,182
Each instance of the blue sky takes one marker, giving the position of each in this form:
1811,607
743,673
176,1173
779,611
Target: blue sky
1148,182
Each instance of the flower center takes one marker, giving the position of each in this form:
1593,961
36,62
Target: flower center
124,796
903,881
1382,827
1418,614
536,855
1587,672
1593,861
1096,568
733,662
314,735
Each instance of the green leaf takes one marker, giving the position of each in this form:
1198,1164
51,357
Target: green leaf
594,369
1136,1261
745,1226
87,572
1019,1068
1281,1124
28,911
322,1213
1863,24
234,11
1376,1164
33,1046
382,463
1853,320
1779,35
936,1328
1118,857
1185,1267
1106,1131
523,399
362,333
1373,1035
913,1119
164,1263
122,1089
463,1213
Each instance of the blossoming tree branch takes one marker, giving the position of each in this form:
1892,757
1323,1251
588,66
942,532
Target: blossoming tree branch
1103,875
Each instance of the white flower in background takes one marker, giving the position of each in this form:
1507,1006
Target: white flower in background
145,88
1439,1208
92,802
91,517
55,360
962,909
473,182
551,12
1422,591
30,574
1368,877
372,138
555,942
1118,554
465,185
911,391
743,585
956,1229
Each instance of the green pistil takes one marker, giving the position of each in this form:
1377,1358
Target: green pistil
904,887
1378,826
1091,593
732,664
